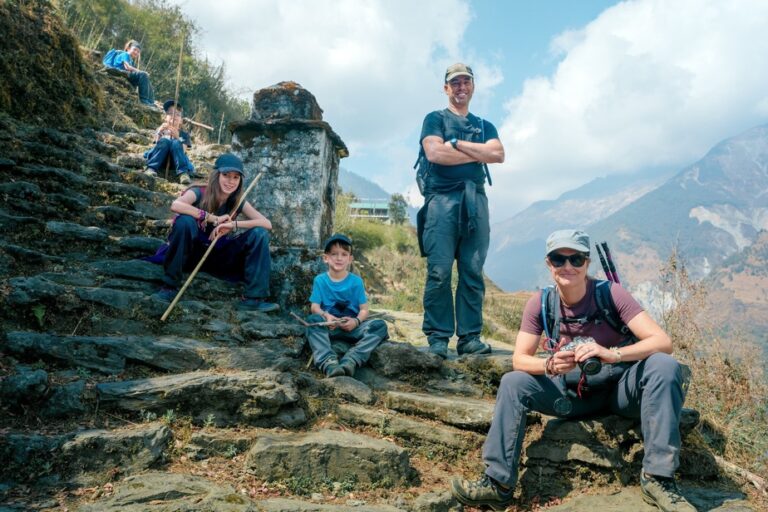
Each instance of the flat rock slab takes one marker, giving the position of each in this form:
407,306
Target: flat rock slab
631,498
76,231
263,397
329,455
462,412
92,454
217,443
286,505
349,389
407,428
110,354
171,492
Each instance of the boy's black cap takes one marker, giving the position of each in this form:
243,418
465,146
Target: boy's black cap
336,237
229,163
170,103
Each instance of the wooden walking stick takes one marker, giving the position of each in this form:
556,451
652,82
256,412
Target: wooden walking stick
207,252
176,96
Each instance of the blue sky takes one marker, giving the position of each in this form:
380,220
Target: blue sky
577,89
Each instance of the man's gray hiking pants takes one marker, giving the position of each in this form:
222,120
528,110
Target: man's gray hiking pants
651,390
446,238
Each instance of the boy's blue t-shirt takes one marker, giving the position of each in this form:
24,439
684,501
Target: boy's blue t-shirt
339,298
120,58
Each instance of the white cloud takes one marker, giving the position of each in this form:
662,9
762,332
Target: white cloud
647,83
375,66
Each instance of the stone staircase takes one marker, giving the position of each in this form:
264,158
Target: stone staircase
105,407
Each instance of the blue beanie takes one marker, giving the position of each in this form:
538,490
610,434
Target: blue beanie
229,163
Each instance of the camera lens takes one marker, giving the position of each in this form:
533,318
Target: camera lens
562,406
591,366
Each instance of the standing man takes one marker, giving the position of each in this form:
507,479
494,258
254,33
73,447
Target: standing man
453,224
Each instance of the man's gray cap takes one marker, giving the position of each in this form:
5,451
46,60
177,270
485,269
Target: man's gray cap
458,69
568,239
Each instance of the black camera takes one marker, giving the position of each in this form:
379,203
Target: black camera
589,366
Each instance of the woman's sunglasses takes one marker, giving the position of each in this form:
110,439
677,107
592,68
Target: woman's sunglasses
577,259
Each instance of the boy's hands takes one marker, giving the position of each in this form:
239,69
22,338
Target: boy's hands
330,318
348,324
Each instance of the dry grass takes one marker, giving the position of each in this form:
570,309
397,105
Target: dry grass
728,386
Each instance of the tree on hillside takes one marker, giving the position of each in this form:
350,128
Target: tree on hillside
160,28
398,209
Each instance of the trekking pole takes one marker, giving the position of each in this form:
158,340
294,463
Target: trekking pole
604,264
611,265
210,248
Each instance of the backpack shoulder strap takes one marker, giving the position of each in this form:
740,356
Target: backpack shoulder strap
550,315
606,308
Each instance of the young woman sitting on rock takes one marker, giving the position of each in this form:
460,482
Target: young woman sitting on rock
592,369
241,253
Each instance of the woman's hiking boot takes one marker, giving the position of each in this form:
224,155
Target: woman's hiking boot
664,494
484,492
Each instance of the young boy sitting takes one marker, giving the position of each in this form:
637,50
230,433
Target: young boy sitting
170,140
338,299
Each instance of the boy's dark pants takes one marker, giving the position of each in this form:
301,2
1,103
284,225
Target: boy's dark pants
247,251
168,148
365,338
140,79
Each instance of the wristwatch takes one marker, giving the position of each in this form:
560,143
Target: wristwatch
453,142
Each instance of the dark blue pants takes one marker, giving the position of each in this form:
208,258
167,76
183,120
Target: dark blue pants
169,148
445,240
140,79
364,339
651,390
244,255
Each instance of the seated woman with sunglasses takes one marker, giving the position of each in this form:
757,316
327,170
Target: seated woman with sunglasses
637,379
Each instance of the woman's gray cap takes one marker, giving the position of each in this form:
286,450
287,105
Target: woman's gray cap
568,239
229,163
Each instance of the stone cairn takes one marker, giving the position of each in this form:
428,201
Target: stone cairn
298,153
106,408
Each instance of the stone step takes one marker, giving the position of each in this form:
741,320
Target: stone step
261,398
316,457
412,430
161,492
86,457
462,412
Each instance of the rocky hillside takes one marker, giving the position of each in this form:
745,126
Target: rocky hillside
105,407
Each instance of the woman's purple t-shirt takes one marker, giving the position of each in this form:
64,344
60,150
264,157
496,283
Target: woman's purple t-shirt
603,333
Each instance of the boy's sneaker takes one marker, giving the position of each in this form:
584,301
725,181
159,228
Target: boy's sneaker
150,172
165,294
439,348
348,366
184,179
333,370
664,494
473,347
250,304
483,492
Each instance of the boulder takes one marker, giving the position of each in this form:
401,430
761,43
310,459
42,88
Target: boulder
26,386
349,389
95,456
329,455
403,359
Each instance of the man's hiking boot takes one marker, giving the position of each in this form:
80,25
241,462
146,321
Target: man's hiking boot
184,179
664,494
165,294
483,492
439,348
150,172
473,347
349,367
251,304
